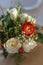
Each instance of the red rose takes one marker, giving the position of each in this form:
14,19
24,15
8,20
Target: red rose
28,28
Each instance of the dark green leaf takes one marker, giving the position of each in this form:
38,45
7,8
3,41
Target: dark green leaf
0,42
5,53
40,39
36,27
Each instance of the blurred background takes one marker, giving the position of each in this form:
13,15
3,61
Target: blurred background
32,7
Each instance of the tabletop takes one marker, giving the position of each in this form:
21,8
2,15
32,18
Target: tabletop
34,57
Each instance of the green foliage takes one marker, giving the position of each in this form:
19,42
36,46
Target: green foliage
19,8
36,27
40,39
0,42
5,53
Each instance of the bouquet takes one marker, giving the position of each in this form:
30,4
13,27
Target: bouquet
18,33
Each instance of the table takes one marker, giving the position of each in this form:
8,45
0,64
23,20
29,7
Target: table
35,57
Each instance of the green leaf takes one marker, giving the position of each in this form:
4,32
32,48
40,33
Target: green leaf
5,53
11,32
0,42
19,8
40,39
36,27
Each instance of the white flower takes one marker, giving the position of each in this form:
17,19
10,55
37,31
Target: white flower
13,13
12,45
29,19
29,44
24,16
33,20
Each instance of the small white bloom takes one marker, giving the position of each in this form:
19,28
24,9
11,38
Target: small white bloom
29,44
12,45
13,13
24,16
33,20
29,18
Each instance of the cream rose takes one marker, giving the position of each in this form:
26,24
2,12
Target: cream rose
12,45
13,13
28,45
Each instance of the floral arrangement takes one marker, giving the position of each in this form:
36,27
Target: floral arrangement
18,33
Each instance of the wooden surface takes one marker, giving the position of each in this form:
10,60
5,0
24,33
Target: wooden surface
35,57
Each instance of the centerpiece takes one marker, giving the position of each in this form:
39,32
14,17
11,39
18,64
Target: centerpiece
18,33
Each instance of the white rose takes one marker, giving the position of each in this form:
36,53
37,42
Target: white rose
24,16
12,45
28,45
13,13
